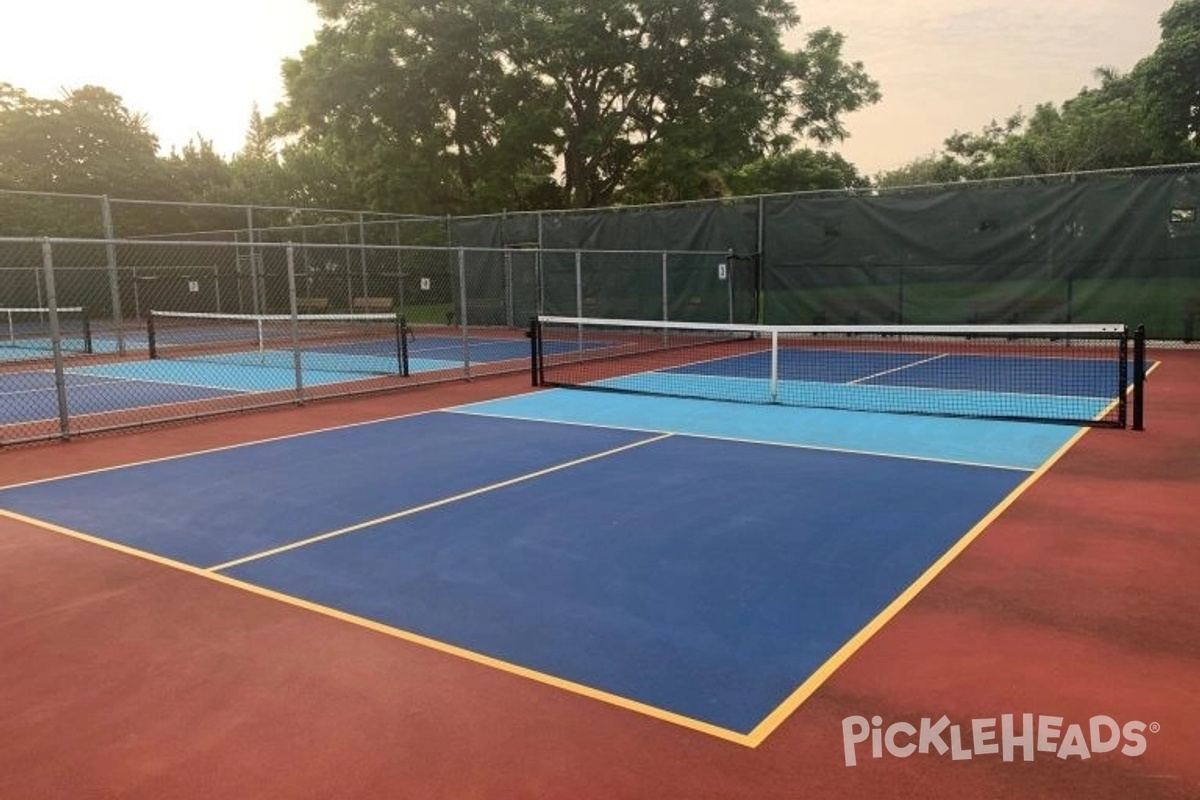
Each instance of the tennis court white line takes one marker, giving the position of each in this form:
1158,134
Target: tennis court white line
221,449
131,379
416,351
52,387
898,369
737,440
408,512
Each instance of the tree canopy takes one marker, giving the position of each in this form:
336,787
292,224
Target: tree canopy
85,142
487,103
1170,78
460,106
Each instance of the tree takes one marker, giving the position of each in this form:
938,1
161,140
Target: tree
258,175
199,173
501,102
797,171
260,142
929,170
1101,128
1170,78
86,142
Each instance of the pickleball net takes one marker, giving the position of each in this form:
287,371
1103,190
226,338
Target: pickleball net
1067,373
368,344
30,329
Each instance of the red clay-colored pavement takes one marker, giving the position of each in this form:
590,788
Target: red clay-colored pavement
122,678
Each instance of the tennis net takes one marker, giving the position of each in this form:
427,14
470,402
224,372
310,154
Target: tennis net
371,344
1076,374
29,329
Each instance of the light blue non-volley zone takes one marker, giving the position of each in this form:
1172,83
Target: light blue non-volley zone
866,396
1006,374
30,349
232,377
31,396
1015,387
994,443
132,383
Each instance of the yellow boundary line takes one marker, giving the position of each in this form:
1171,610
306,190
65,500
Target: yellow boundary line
831,665
776,718
398,633
753,739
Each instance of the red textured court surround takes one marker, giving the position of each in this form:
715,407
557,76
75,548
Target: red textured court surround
122,678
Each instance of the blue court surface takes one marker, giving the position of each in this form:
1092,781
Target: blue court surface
692,560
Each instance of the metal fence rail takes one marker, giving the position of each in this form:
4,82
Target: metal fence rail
258,324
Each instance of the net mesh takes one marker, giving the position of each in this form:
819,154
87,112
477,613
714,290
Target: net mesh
28,331
370,344
1055,373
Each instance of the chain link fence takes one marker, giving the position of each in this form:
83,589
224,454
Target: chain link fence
104,334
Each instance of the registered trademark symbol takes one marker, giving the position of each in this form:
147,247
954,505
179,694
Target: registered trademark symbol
1155,727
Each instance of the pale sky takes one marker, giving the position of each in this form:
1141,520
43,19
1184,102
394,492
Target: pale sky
197,69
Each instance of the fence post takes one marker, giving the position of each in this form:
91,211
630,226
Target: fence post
60,381
114,278
462,310
729,260
399,269
539,267
255,268
1139,378
578,283
760,264
666,289
362,254
297,362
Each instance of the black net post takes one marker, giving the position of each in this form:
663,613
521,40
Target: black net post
1139,378
402,344
87,331
1123,379
151,342
535,351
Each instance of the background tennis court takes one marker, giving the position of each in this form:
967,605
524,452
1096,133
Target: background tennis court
206,360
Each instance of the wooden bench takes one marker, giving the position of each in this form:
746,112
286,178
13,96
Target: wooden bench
312,305
372,305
